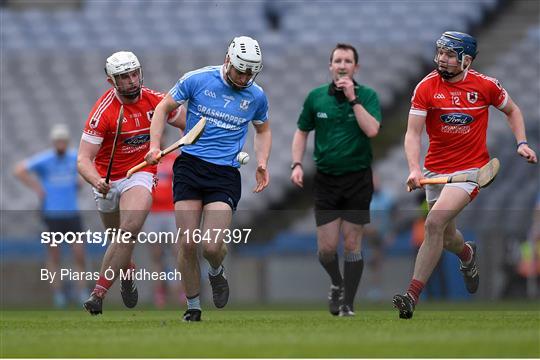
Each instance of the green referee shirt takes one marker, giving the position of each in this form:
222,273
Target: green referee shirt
340,145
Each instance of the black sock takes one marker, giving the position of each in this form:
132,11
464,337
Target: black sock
332,268
354,265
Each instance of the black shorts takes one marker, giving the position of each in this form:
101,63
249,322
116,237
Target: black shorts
63,225
343,196
196,179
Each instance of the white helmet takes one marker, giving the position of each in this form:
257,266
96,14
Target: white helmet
245,55
59,132
123,62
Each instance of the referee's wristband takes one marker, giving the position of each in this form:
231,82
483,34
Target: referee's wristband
521,143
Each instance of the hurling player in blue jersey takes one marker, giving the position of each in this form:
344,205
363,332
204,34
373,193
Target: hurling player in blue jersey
207,182
52,175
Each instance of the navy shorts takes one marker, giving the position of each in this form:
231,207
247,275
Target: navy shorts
345,196
63,225
196,179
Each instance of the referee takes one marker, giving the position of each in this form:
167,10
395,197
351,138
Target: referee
344,115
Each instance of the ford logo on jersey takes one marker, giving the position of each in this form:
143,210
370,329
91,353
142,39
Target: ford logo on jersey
457,119
137,140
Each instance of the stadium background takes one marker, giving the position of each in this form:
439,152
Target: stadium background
53,54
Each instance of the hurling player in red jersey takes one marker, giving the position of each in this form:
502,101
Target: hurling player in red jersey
452,102
123,203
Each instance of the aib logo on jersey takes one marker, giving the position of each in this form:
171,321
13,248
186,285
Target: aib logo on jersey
457,119
137,140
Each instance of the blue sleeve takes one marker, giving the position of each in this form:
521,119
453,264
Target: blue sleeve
182,90
37,162
262,110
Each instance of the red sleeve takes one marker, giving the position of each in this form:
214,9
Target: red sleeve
156,97
420,99
97,124
497,94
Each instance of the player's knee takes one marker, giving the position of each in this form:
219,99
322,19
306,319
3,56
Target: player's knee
188,249
434,226
450,238
352,241
352,246
212,252
131,225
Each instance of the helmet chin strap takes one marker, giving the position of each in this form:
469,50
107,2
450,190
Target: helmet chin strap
231,81
132,94
448,75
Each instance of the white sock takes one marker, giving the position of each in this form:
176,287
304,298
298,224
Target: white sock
194,303
215,272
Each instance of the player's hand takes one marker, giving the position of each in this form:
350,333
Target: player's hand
297,176
528,153
347,85
102,186
152,156
263,178
413,181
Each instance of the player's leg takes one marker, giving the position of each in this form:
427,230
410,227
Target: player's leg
466,252
53,264
160,292
109,212
79,258
154,224
188,218
78,249
448,205
354,265
217,218
134,205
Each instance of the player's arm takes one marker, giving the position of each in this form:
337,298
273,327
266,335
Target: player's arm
517,124
161,114
179,118
27,178
298,149
85,165
262,145
413,146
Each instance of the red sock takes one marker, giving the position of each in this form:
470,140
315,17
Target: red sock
466,254
129,270
102,285
415,288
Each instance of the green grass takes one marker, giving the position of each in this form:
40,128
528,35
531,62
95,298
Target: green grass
464,331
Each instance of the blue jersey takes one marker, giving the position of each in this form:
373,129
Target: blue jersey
59,178
228,112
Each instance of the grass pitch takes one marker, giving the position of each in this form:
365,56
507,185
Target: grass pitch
462,331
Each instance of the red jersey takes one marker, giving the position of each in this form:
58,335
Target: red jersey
457,119
163,192
134,140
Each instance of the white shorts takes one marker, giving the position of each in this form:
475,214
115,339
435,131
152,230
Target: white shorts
110,202
434,191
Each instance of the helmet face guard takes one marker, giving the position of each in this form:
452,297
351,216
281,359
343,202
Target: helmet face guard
459,43
124,62
244,54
